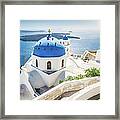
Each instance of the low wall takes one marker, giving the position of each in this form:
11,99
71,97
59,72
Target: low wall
85,93
66,87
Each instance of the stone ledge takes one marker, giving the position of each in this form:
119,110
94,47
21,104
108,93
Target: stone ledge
66,87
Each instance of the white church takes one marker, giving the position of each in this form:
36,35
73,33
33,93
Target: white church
46,66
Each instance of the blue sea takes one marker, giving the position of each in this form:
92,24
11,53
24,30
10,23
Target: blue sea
88,41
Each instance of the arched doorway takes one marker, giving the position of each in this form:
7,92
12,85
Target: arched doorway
48,65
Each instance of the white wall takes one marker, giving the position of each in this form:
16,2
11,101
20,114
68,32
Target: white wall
36,79
56,62
98,55
66,42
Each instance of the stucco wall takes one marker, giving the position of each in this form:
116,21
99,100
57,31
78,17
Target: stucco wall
56,62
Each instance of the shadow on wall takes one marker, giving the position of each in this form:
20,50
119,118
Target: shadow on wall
36,79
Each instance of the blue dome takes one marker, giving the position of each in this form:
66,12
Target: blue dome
48,48
65,38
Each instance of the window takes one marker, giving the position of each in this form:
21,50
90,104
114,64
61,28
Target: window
36,63
47,37
62,63
48,65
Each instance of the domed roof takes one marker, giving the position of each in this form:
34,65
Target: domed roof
65,38
48,48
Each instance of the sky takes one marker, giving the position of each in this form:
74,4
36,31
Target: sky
61,25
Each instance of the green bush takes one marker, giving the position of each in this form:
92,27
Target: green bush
81,76
78,77
70,78
60,81
92,72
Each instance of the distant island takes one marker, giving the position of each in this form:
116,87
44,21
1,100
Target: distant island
32,31
39,36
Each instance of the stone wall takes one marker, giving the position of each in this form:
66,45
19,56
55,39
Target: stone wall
66,87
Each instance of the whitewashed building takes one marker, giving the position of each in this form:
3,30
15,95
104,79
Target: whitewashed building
45,66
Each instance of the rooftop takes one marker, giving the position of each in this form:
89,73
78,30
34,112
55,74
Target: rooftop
48,47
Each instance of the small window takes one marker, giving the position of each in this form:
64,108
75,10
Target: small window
36,63
62,63
47,38
48,65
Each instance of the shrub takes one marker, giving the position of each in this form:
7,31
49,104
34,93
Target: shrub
60,81
92,72
80,76
70,78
